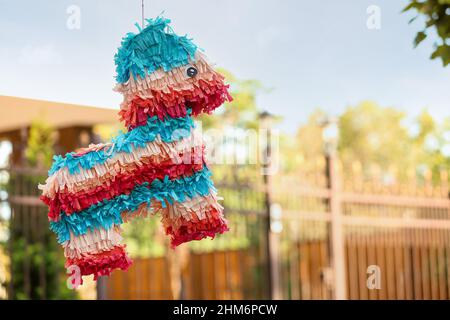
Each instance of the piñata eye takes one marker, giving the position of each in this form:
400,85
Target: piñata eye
191,72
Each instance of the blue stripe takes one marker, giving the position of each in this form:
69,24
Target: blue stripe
108,213
154,47
170,130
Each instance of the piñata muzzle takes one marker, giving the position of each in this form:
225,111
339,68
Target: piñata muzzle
158,167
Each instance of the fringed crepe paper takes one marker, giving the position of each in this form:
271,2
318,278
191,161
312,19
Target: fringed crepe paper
158,167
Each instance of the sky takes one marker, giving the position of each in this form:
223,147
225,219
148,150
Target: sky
311,54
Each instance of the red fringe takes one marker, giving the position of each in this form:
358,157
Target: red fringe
102,264
123,183
205,98
183,230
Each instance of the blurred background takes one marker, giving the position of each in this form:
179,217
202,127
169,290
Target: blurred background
333,159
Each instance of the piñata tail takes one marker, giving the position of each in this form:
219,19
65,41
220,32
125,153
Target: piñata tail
157,167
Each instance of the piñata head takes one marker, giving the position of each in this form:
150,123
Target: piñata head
162,74
157,167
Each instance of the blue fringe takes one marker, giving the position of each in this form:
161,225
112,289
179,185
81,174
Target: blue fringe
108,213
154,47
171,129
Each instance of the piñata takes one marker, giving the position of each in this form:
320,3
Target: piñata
157,167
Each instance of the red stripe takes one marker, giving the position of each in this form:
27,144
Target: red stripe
123,183
174,103
182,230
102,264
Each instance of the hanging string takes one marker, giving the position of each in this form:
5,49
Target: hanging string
142,14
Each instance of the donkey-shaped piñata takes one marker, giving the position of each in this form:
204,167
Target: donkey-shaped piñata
157,167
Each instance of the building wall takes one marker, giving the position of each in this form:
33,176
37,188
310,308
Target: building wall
68,139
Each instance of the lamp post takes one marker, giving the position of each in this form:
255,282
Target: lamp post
330,135
272,228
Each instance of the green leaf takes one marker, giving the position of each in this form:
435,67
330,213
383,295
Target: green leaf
413,5
412,19
430,23
443,52
419,38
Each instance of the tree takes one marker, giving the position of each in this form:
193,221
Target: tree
36,256
41,139
234,123
242,112
371,134
301,152
376,136
437,16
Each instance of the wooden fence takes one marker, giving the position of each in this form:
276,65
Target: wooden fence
335,231
333,228
150,278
